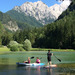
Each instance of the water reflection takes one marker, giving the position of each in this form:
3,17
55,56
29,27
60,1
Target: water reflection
65,71
38,70
49,71
4,61
14,70
30,70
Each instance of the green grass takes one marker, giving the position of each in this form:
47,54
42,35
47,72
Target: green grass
4,50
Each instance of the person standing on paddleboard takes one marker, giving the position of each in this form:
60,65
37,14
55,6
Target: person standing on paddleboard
49,54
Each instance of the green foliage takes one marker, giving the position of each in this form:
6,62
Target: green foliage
1,32
49,20
4,18
6,38
21,17
23,25
27,45
73,44
7,22
12,43
14,48
21,49
1,27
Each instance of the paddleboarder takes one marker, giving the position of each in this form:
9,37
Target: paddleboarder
49,54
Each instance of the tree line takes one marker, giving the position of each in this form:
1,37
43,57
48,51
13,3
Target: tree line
56,35
59,34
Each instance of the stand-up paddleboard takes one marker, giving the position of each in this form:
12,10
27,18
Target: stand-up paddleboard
30,64
54,65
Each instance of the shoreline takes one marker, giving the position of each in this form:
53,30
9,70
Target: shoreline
7,50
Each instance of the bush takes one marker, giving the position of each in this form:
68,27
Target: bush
27,45
12,43
21,49
14,48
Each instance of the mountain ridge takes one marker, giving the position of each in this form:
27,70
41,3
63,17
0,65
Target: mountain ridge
30,20
41,11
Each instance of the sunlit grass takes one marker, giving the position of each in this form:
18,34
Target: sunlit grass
4,49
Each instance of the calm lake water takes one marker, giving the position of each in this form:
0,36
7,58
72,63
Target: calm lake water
65,67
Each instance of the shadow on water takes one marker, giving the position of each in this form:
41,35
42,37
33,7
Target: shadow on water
27,70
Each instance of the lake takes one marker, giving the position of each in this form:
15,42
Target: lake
65,67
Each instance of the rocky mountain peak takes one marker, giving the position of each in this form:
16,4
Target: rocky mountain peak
41,11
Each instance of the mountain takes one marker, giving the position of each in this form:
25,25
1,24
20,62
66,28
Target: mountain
70,9
30,15
8,23
12,25
21,17
58,9
38,10
61,33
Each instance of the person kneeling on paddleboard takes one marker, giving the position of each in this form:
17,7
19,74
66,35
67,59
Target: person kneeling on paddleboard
28,61
37,60
49,54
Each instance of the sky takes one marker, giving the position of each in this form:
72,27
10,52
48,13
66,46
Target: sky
6,5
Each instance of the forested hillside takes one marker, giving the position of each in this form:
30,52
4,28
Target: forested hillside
5,36
1,31
9,24
59,34
21,17
15,24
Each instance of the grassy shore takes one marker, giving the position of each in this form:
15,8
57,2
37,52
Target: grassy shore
5,49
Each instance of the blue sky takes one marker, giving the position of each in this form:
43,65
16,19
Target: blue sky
6,5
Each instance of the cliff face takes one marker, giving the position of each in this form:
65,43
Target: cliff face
8,23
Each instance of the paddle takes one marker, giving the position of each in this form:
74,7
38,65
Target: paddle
31,57
57,58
